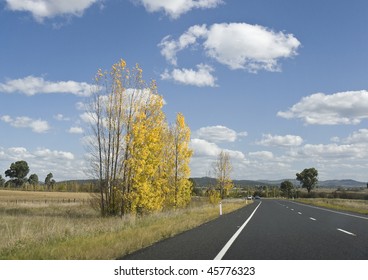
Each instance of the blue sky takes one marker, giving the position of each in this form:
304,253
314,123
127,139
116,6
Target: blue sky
280,85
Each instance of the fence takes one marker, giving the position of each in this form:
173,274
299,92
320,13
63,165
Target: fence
47,201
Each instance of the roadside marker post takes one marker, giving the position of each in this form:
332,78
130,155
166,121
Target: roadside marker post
220,208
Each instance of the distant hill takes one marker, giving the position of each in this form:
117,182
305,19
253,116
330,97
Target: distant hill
202,182
347,183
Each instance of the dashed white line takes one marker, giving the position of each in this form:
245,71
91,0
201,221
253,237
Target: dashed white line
347,232
332,211
299,213
292,209
232,239
313,219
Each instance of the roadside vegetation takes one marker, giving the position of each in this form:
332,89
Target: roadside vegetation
350,205
73,230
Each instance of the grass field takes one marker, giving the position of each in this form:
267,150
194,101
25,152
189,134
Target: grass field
35,229
356,206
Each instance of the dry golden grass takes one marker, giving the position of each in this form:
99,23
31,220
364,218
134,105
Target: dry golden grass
76,231
29,196
357,206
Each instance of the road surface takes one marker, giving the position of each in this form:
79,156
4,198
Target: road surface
269,230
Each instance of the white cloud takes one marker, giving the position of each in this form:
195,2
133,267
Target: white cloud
175,8
218,133
38,126
335,151
36,85
339,108
200,78
236,45
76,130
360,136
80,106
250,47
48,154
61,117
202,147
41,9
64,165
263,155
280,140
170,47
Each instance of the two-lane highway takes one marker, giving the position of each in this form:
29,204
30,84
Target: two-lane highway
270,229
288,230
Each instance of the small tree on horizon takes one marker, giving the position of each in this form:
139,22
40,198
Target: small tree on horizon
18,172
33,180
308,178
286,188
49,181
222,168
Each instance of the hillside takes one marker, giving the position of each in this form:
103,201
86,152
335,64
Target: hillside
346,183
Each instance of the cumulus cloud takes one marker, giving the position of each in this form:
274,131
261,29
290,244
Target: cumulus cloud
200,78
348,107
170,47
263,155
335,151
76,130
61,117
280,140
48,154
203,148
38,126
236,45
63,164
218,133
360,136
175,8
37,85
41,9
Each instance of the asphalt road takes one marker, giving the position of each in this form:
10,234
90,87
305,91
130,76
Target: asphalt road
269,230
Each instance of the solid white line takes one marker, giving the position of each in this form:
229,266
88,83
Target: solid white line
313,219
232,239
347,232
332,211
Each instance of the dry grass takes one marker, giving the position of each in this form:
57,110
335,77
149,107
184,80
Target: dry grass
76,231
29,196
356,206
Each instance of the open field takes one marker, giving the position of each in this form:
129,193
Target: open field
13,196
32,230
356,206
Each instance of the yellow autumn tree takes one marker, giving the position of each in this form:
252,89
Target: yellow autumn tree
222,168
142,164
177,157
146,193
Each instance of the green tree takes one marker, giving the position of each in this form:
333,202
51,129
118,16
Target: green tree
49,181
286,188
18,172
33,180
308,178
2,182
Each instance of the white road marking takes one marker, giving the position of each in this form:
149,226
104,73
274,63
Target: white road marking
347,232
299,213
232,239
313,219
292,209
332,211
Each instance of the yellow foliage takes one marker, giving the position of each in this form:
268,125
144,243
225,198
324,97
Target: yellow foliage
142,163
